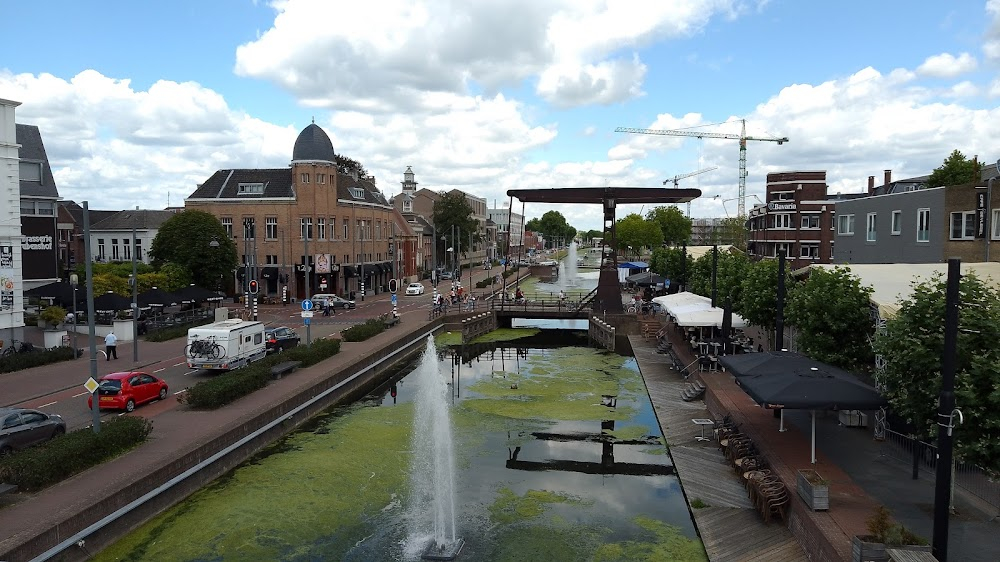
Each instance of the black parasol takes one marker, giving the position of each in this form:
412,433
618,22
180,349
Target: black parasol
109,303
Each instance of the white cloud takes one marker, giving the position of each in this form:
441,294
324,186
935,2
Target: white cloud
991,41
947,65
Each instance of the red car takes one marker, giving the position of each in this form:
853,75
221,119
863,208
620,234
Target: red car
125,391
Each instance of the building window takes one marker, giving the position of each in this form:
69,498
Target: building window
321,228
138,249
845,225
100,249
306,228
870,229
378,230
995,222
271,259
897,222
810,220
963,225
357,193
347,230
30,171
782,220
809,251
782,247
27,207
271,228
305,178
114,250
249,228
227,223
333,228
831,251
320,178
44,208
923,225
250,189
127,250
407,206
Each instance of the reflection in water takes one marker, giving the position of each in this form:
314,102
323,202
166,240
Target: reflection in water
344,494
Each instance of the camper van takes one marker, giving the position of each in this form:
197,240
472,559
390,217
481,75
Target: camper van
225,345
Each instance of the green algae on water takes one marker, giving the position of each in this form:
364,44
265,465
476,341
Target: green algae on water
511,508
668,544
506,334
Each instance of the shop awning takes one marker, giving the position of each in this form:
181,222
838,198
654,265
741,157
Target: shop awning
269,273
349,271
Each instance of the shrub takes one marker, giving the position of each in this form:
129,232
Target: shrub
18,361
53,315
360,332
38,467
881,529
228,387
173,332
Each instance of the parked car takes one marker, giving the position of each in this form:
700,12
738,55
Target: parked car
280,339
334,300
446,275
126,390
21,428
415,289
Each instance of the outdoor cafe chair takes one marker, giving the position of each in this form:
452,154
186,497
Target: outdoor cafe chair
775,502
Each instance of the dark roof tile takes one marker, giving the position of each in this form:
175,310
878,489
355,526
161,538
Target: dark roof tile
32,150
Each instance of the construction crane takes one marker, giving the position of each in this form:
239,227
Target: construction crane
742,137
675,179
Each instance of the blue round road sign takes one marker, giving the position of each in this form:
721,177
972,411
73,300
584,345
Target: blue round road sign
307,304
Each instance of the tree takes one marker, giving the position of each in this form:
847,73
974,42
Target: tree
758,301
832,313
912,346
454,210
733,230
346,164
589,235
635,232
667,262
185,240
553,225
533,225
956,170
732,268
675,226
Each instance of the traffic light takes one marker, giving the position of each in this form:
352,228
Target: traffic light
252,288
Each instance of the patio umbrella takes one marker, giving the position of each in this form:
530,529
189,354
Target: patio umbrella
60,292
193,293
682,301
727,317
157,297
784,379
645,279
109,303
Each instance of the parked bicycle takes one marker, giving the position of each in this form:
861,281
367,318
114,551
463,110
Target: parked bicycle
16,346
205,348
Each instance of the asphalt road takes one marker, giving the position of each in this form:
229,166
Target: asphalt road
54,388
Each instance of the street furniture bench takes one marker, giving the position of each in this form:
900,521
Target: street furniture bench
284,368
7,488
391,321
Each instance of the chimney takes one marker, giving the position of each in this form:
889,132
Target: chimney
871,185
888,177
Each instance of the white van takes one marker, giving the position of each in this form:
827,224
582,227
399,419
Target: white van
225,345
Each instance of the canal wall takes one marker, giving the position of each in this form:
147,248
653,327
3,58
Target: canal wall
128,491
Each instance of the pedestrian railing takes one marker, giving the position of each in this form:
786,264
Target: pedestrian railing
922,458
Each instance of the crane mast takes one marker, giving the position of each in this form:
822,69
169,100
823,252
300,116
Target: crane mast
677,178
742,137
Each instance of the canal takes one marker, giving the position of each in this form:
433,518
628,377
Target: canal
557,456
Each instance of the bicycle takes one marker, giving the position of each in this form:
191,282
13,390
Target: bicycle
205,348
17,346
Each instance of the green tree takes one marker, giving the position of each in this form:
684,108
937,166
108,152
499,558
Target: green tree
675,226
175,277
758,302
453,209
110,283
667,262
912,345
956,170
732,268
636,233
552,225
185,240
533,225
733,230
589,235
832,313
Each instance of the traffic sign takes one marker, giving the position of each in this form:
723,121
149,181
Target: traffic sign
307,314
91,385
307,304
393,299
306,321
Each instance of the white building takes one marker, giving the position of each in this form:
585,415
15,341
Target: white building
507,222
11,283
111,237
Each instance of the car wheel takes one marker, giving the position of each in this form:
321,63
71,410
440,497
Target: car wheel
130,405
347,306
59,431
163,394
279,349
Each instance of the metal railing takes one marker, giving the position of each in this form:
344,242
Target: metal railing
922,457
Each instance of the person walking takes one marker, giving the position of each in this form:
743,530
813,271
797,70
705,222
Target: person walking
111,343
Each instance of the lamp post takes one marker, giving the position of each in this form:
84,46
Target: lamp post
392,273
361,235
74,280
135,296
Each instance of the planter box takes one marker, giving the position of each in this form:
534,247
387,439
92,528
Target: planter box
813,490
864,551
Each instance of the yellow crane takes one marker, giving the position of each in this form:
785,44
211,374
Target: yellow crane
675,179
742,137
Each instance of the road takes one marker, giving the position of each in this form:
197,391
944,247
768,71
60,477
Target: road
58,388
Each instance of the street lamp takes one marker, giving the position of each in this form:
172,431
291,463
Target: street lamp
135,295
74,280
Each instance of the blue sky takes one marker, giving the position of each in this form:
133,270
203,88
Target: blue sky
138,100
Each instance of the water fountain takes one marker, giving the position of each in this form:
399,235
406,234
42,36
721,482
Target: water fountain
568,269
432,472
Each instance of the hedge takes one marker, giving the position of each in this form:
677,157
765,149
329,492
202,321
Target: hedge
173,332
360,332
18,361
38,467
230,386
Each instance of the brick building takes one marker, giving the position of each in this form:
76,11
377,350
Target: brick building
313,212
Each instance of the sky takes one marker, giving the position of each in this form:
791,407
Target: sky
139,102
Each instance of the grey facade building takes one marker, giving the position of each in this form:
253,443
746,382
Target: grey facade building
903,227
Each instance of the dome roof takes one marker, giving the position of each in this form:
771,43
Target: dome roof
313,144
